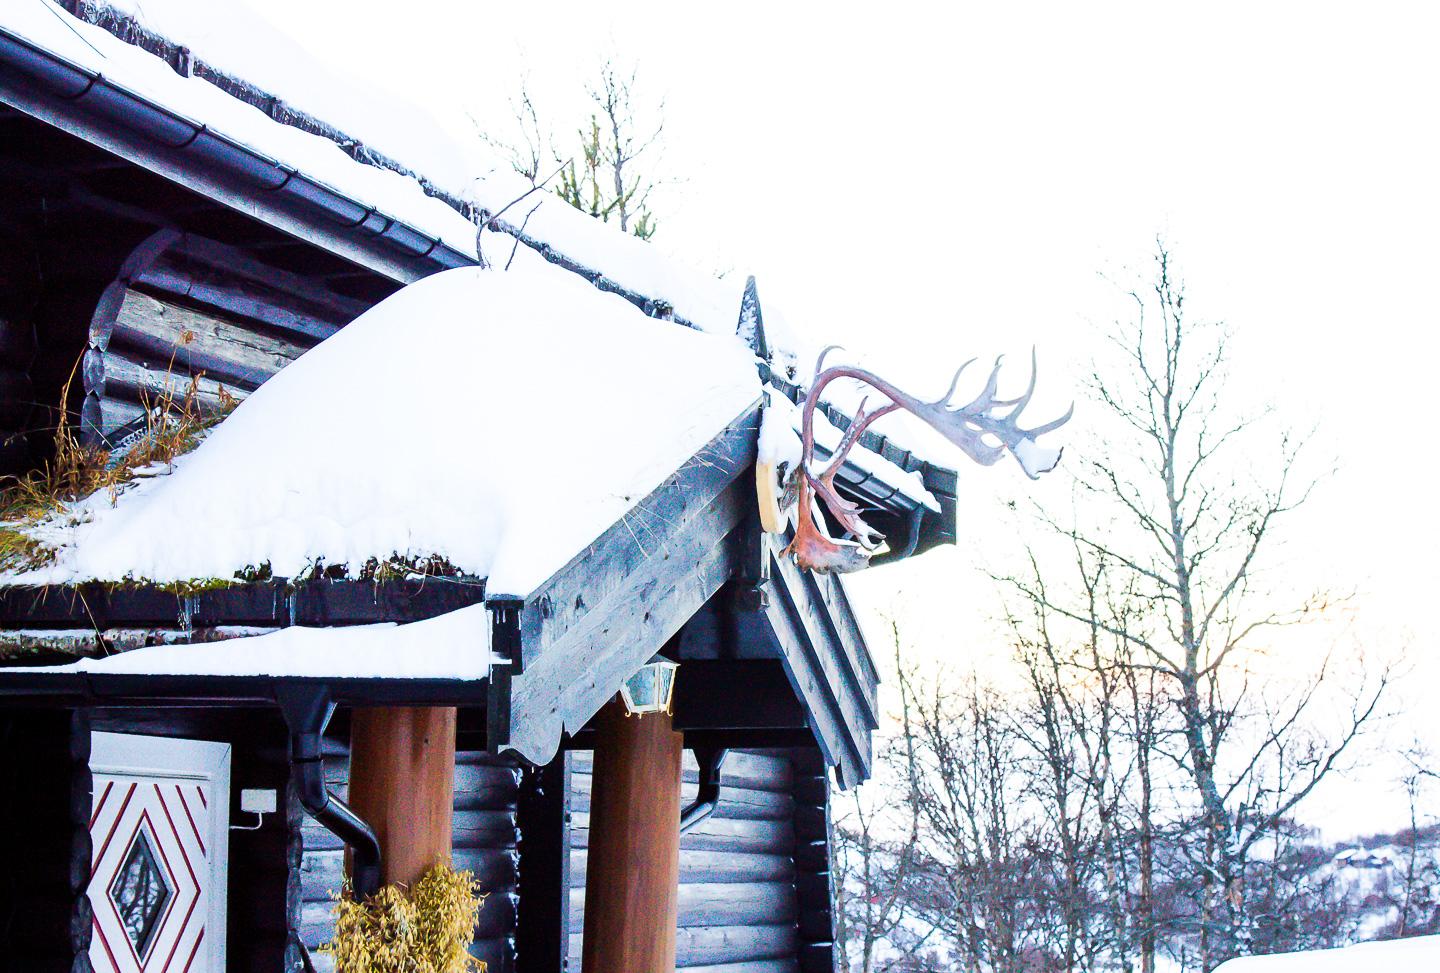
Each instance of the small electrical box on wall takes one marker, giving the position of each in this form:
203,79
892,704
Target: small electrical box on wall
257,801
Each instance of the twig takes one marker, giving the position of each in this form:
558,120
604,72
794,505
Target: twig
519,233
493,222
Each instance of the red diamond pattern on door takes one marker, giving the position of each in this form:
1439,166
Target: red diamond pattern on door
159,829
147,886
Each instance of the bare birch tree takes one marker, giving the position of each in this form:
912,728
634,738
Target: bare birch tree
1173,537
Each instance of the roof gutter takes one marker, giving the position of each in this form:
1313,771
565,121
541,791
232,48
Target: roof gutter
90,106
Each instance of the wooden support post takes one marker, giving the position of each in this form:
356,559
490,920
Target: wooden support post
542,816
402,783
632,879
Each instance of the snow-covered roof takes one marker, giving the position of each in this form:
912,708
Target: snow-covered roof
439,169
1420,954
501,420
453,646
573,236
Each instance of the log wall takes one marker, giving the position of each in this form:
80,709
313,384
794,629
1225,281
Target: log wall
754,877
738,898
45,847
197,309
484,840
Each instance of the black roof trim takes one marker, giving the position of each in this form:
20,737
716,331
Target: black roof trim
275,604
186,64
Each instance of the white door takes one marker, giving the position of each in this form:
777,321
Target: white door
160,827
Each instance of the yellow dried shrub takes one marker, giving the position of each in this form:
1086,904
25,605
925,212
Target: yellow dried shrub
427,930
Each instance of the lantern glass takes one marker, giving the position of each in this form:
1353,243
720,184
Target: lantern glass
650,689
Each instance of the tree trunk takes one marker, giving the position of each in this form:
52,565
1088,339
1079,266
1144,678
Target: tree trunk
402,783
633,871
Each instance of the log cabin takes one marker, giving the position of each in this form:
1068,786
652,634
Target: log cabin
392,618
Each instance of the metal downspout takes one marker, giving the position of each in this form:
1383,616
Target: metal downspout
307,710
707,797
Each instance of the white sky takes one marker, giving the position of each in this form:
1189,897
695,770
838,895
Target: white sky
932,182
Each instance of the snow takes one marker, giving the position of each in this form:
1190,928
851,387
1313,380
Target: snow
463,169
502,420
455,645
47,26
1418,955
780,444
242,43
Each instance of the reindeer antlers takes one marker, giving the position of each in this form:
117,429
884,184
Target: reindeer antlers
971,427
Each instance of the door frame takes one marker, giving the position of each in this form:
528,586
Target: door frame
151,756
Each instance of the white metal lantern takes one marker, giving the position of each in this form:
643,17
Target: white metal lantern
649,690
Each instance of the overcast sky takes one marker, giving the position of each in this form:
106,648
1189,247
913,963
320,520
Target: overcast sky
930,183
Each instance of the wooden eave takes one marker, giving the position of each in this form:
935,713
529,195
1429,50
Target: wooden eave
800,661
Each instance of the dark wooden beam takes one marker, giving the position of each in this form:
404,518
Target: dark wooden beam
725,694
542,817
45,918
828,666
267,604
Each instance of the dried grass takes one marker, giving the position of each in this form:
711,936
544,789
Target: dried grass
427,930
175,422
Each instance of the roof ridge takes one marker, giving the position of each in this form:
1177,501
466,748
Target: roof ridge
184,63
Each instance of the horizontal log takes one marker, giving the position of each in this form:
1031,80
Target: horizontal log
496,919
47,961
715,834
160,331
718,945
699,866
323,872
103,414
730,904
17,397
478,787
301,319
754,966
114,375
201,258
56,926
735,802
743,768
471,829
17,344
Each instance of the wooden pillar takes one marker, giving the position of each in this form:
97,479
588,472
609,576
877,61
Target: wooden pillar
632,878
402,783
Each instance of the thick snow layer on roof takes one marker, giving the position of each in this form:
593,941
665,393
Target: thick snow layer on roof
455,645
47,26
449,156
460,166
1418,955
502,420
